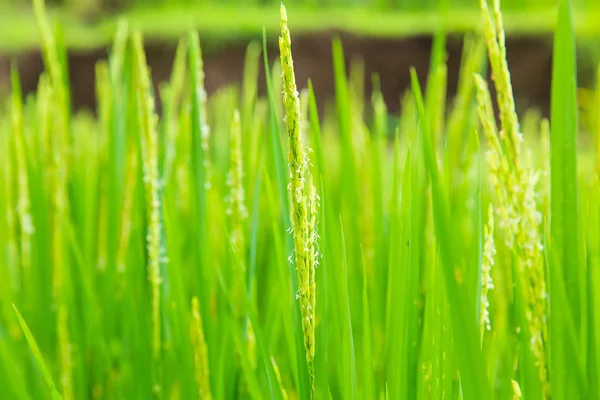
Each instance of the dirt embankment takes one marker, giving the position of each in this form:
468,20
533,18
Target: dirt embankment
529,58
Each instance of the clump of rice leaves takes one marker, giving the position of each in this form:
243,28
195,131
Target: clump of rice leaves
405,307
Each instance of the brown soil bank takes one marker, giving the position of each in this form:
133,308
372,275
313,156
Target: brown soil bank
529,58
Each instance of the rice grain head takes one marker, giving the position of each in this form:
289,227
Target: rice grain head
235,201
200,352
148,123
489,251
301,207
203,99
516,181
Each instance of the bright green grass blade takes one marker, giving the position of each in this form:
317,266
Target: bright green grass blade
346,132
436,85
8,234
418,236
277,148
393,358
315,129
21,271
349,360
172,95
51,57
378,163
349,133
593,239
476,257
444,363
342,96
470,359
322,328
463,112
367,370
392,366
52,62
322,344
41,292
61,52
255,228
356,85
565,265
248,112
38,357
402,323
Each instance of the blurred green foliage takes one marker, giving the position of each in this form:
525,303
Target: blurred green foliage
111,6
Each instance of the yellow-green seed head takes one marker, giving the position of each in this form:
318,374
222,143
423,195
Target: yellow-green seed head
489,251
301,209
515,186
148,123
201,374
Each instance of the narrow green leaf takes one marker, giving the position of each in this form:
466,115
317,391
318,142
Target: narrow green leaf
38,357
350,383
565,260
368,372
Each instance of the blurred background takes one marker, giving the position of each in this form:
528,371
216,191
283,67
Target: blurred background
380,37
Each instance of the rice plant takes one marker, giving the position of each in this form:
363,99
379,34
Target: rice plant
241,246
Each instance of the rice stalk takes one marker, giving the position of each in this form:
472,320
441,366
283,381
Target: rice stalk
303,207
56,79
59,213
237,214
202,100
496,44
149,145
235,201
516,182
201,370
